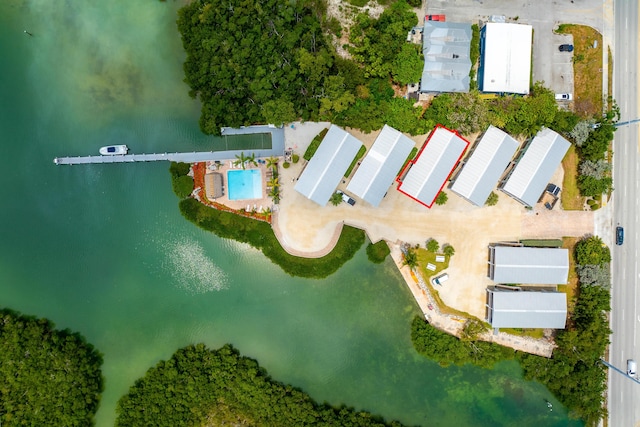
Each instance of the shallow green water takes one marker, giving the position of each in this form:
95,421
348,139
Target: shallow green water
103,249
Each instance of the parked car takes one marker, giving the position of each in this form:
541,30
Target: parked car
566,48
439,280
563,97
441,18
347,199
553,189
619,235
631,367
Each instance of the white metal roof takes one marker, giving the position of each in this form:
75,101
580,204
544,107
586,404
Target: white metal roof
525,265
487,163
506,57
381,165
536,167
433,165
527,309
328,165
447,62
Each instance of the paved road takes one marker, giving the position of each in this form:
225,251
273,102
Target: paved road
624,395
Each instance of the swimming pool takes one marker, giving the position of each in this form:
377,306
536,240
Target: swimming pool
244,184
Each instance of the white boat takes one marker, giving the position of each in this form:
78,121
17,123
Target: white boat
114,150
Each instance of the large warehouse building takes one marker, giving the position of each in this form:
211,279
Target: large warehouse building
517,308
326,168
530,177
423,177
505,58
381,165
526,265
447,63
486,164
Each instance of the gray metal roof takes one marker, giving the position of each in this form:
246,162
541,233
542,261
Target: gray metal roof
328,165
487,163
536,167
433,165
446,47
527,309
544,266
381,165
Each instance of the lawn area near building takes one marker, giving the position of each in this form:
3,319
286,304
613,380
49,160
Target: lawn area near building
571,288
571,198
587,69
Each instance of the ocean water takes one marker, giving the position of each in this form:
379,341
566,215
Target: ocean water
104,251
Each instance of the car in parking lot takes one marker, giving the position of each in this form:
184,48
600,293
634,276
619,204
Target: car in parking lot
348,200
619,235
631,367
563,97
566,48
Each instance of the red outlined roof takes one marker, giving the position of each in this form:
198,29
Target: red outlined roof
423,178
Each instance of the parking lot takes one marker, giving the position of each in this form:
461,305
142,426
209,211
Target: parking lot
550,65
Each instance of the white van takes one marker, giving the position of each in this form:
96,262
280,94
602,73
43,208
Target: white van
631,367
439,280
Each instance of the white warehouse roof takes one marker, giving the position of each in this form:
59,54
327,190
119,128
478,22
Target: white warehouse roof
525,265
487,163
526,309
536,167
432,166
328,165
506,57
381,165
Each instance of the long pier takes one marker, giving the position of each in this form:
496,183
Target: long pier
134,158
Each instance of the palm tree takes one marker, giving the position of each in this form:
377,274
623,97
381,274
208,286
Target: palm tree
275,194
252,159
272,162
336,199
267,213
241,159
273,182
410,259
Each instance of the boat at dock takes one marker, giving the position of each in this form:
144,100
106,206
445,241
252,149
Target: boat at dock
114,150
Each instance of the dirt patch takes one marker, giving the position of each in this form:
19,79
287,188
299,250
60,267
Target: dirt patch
345,13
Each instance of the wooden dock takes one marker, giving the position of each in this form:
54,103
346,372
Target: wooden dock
136,158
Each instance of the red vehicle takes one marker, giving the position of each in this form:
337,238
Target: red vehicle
440,18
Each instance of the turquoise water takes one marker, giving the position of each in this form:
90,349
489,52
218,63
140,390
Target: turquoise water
103,250
244,184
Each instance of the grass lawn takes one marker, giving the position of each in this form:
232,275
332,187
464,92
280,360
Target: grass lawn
533,333
571,288
570,196
587,69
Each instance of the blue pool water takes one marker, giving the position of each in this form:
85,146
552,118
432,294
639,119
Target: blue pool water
244,184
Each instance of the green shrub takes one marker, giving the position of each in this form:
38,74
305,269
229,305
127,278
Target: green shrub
595,206
295,158
286,165
591,202
315,143
182,186
377,252
179,169
359,155
260,235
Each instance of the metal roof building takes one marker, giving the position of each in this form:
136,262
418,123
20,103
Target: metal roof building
423,178
505,58
529,178
328,165
526,265
485,166
381,165
446,47
526,309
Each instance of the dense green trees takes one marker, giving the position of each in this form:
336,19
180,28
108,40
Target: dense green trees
262,61
198,386
47,376
377,252
181,183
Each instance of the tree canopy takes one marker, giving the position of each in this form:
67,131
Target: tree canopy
47,376
221,387
264,61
